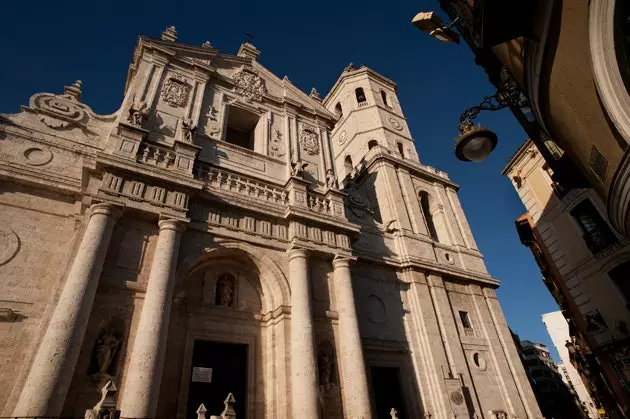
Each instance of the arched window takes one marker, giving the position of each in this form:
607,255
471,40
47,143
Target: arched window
360,95
425,205
347,165
400,149
384,97
372,144
225,292
338,110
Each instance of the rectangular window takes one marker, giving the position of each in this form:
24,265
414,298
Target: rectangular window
241,127
463,315
595,231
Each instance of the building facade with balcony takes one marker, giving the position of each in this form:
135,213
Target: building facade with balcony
558,329
584,264
225,232
554,398
570,61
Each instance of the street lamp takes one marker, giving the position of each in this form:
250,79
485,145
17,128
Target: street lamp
474,143
432,24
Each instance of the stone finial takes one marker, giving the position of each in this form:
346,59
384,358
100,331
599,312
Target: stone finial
393,413
315,94
201,412
206,44
169,34
74,90
228,411
107,401
248,50
349,67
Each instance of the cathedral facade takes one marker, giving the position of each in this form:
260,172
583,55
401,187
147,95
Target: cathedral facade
224,232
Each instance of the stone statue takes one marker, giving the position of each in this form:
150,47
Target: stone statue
225,292
188,128
138,114
393,413
331,179
106,349
298,168
325,369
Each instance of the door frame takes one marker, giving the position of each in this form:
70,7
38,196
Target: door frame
191,337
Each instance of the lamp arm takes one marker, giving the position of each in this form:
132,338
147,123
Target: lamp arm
450,25
507,95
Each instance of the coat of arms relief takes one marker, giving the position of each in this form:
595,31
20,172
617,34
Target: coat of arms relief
309,139
249,85
175,91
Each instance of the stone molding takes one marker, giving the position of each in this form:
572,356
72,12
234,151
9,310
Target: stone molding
610,85
619,196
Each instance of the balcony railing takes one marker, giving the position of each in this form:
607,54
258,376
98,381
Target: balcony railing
240,184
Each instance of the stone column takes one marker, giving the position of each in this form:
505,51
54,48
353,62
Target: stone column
354,387
46,386
144,374
303,367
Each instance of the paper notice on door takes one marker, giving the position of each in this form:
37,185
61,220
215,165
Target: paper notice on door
201,375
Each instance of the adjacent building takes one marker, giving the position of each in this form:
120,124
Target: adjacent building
558,329
584,264
564,70
225,232
554,398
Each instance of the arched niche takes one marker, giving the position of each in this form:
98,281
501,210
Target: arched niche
199,272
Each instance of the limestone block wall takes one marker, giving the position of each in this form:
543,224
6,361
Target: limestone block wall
38,233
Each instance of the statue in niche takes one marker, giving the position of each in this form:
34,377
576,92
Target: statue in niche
106,349
224,294
326,364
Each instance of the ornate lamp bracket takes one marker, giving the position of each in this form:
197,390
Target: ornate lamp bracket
507,95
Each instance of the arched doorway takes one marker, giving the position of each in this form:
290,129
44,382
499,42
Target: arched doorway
234,323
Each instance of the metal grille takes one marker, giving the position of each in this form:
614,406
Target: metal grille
598,163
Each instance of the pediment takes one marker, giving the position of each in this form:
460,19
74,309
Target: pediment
252,80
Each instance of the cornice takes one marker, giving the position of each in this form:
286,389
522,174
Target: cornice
47,180
377,156
298,213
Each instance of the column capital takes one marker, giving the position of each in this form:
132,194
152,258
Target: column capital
107,209
340,261
172,224
297,252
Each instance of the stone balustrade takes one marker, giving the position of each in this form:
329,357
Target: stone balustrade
155,156
319,204
243,185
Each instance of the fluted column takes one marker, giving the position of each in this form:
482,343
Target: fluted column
144,374
303,367
46,386
354,387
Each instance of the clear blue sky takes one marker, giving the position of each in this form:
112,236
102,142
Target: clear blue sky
45,45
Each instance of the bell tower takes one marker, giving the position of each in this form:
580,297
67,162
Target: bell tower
369,113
